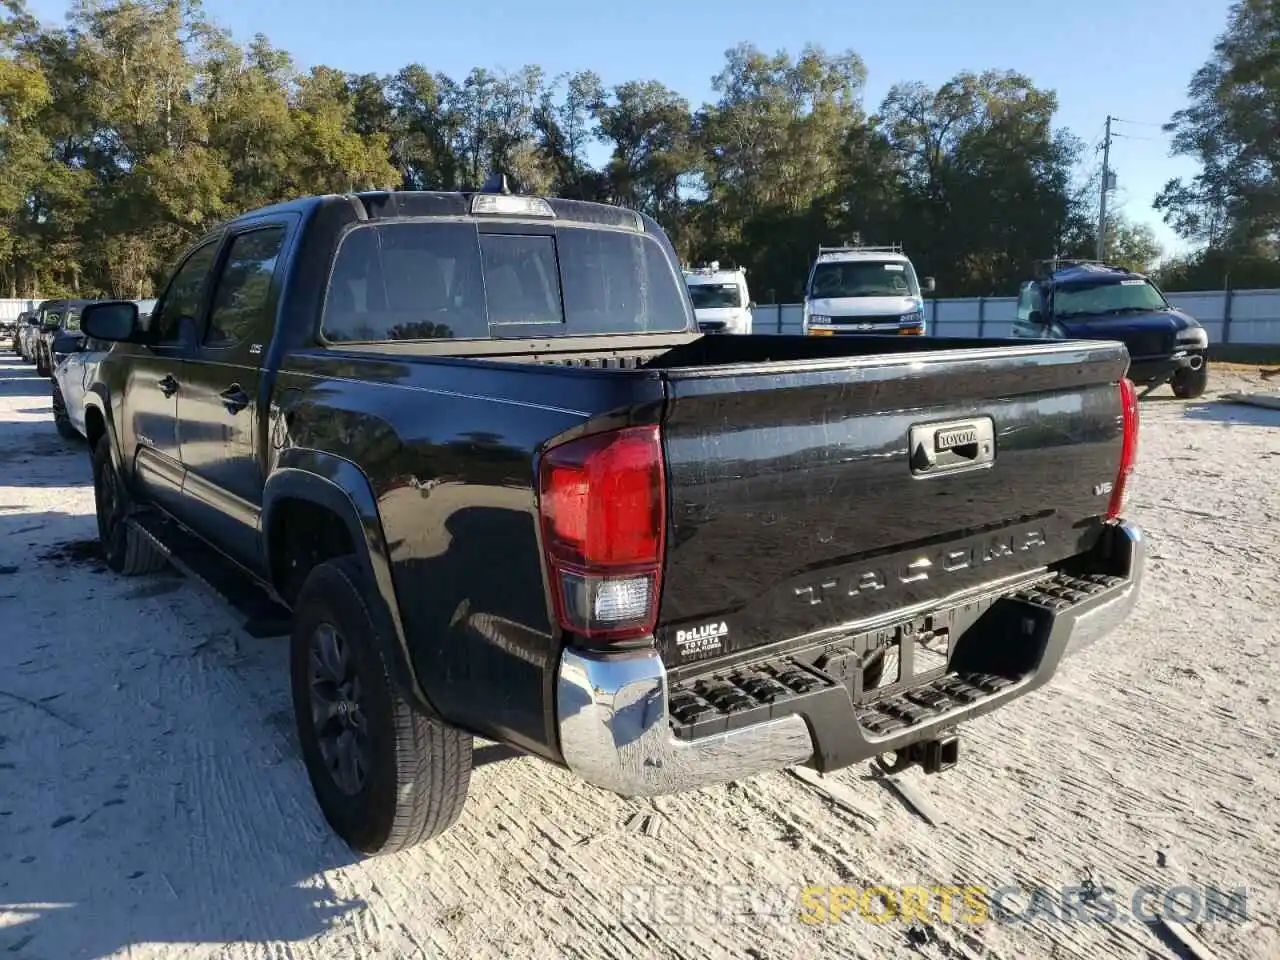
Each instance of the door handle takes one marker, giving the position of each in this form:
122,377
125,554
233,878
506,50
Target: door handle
234,399
941,448
168,385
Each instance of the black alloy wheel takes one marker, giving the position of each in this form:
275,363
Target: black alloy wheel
337,710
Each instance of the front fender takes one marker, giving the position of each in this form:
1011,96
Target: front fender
341,487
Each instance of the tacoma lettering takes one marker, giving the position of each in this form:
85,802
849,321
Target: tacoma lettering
921,568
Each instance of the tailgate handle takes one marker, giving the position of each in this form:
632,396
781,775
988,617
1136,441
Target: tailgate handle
955,446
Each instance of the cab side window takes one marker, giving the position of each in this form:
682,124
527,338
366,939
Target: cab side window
183,297
242,298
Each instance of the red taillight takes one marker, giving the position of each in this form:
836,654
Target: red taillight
602,500
1128,449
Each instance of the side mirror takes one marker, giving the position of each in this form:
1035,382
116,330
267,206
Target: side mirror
751,305
112,320
929,285
68,343
1036,317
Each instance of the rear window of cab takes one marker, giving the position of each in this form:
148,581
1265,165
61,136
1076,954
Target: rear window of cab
433,280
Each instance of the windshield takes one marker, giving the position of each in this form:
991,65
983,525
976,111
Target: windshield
712,296
864,278
1092,299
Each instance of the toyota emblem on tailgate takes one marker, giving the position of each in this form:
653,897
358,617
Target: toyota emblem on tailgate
951,447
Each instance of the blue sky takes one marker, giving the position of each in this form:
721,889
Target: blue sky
1129,58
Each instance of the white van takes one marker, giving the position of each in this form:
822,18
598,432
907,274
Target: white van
720,299
864,290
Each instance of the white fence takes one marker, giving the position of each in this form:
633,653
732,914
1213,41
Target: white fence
9,309
1232,316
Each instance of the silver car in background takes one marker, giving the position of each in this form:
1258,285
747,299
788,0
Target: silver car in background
76,358
27,333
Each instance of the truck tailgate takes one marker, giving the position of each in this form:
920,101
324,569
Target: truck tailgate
812,495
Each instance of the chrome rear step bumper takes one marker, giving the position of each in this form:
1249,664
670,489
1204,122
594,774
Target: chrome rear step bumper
620,731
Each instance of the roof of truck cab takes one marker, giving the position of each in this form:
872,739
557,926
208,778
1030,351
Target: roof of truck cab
416,204
1094,273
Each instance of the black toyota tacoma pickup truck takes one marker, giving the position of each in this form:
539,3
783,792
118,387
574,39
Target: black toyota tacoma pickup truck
474,446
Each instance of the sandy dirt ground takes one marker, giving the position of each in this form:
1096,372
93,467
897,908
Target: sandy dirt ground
152,803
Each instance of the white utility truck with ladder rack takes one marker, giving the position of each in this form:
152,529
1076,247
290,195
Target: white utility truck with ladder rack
859,289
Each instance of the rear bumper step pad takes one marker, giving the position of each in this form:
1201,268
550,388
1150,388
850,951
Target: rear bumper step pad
710,704
625,726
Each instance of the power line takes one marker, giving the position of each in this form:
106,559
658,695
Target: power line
1095,143
1137,123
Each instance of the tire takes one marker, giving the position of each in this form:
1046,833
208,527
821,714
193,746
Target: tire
1188,384
125,549
415,770
60,419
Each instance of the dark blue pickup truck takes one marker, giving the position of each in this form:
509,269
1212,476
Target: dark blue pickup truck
1092,301
476,449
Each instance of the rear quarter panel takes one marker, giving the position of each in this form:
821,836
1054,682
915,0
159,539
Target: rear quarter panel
449,448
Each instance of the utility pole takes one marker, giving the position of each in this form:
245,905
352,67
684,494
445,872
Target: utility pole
1106,185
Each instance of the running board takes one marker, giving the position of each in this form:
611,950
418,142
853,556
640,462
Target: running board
216,572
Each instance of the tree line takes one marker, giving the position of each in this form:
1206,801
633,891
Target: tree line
132,130
1232,206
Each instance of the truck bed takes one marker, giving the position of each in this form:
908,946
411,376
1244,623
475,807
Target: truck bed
790,481
792,508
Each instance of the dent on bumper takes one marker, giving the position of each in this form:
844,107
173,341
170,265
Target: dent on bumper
615,731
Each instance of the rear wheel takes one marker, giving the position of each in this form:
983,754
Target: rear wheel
1188,384
386,776
124,548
